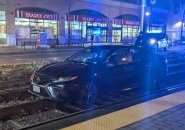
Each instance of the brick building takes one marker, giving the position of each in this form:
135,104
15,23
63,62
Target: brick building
107,20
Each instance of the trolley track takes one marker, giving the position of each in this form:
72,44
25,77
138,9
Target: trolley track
24,111
13,83
75,109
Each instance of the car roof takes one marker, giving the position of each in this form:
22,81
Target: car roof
155,34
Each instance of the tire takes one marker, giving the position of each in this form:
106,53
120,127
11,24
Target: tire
88,95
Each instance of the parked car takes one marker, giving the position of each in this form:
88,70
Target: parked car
153,41
96,70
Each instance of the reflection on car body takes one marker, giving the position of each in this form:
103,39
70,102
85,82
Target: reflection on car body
95,70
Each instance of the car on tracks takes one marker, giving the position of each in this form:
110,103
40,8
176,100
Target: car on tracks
98,70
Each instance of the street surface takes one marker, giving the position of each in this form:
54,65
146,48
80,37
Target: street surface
29,56
38,57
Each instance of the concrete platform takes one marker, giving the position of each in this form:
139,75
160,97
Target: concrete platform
165,113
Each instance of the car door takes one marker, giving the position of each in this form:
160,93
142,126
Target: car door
119,70
139,63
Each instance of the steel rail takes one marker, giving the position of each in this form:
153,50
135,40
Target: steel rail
146,96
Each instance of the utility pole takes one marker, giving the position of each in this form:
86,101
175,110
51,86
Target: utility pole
143,20
69,23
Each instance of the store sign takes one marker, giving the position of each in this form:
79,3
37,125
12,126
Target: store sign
36,15
118,21
81,18
130,22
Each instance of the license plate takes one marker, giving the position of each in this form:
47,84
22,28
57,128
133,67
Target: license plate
36,89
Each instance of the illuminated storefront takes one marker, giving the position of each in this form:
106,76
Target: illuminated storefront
84,25
156,22
3,36
125,29
30,23
156,28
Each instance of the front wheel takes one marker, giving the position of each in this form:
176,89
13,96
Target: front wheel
88,95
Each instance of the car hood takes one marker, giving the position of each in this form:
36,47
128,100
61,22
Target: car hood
65,68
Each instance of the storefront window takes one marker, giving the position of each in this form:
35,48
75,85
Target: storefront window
83,29
2,27
129,33
116,36
154,29
30,27
125,31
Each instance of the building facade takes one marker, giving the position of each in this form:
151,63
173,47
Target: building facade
106,20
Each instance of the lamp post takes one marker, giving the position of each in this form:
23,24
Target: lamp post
69,23
143,21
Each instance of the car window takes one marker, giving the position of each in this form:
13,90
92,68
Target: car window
89,55
122,56
137,55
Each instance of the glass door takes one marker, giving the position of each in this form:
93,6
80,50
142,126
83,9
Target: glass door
116,36
100,35
36,26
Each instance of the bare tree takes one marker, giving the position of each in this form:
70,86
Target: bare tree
180,9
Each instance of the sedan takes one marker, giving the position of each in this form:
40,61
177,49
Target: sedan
98,70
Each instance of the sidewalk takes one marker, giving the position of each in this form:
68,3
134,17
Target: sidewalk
10,50
172,119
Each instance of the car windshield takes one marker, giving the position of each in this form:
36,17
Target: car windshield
89,55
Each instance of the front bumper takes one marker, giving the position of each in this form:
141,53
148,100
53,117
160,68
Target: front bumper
48,91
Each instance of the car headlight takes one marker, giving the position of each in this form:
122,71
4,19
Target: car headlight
152,41
65,79
32,76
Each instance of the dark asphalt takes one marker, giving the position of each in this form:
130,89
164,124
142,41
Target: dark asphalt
34,57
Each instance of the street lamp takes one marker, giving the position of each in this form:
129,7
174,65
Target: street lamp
143,7
147,14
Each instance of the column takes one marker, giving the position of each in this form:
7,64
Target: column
10,20
109,32
143,24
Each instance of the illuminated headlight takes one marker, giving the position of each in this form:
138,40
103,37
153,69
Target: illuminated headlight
65,79
152,41
159,42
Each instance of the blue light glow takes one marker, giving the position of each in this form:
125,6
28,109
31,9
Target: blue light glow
96,32
152,41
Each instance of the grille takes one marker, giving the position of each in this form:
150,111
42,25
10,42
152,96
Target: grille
42,79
